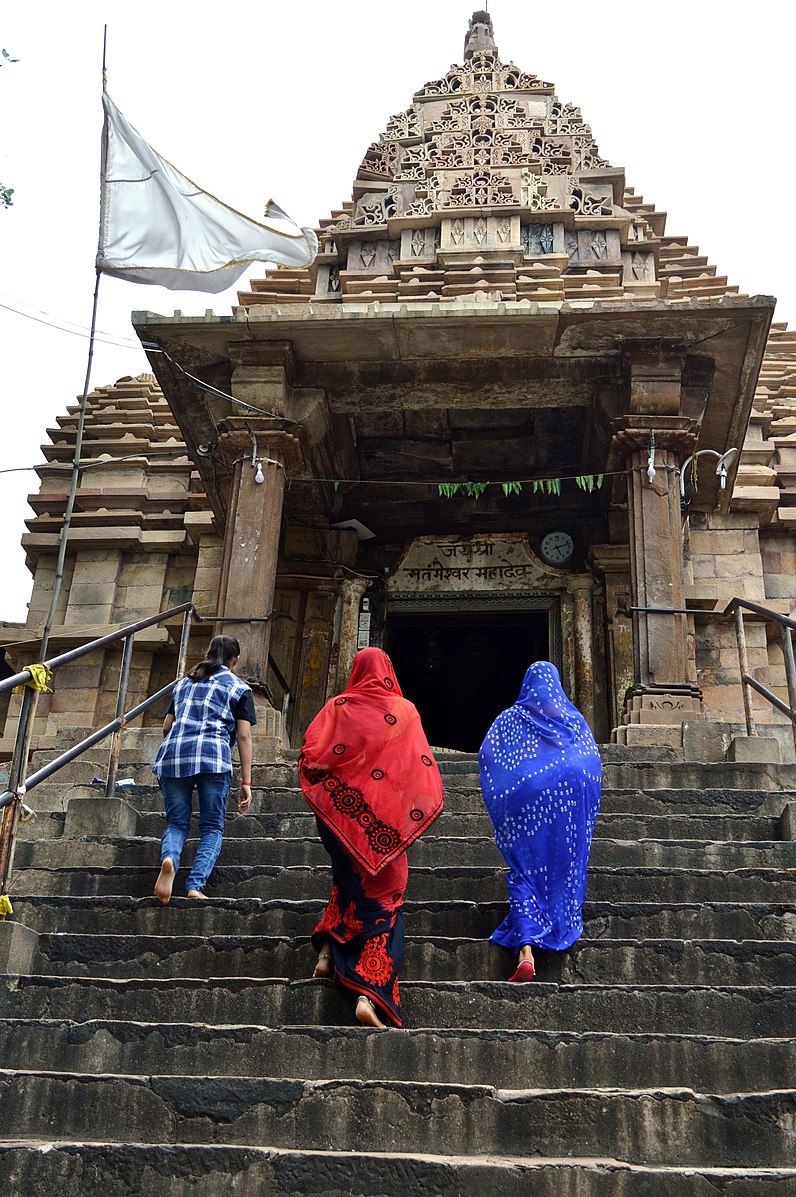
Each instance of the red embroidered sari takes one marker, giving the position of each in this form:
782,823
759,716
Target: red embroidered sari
367,772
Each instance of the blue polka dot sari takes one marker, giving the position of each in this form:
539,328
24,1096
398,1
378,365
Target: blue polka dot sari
540,777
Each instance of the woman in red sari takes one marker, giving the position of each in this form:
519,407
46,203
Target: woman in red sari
367,772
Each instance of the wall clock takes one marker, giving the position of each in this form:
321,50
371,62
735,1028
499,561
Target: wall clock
557,548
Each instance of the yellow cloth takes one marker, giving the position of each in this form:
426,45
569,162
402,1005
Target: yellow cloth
5,906
40,677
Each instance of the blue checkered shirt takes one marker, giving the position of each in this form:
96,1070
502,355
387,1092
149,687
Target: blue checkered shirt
200,739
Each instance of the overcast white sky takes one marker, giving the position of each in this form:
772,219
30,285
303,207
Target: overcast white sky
694,99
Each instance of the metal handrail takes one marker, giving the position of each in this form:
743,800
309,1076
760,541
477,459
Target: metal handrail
18,784
735,608
90,646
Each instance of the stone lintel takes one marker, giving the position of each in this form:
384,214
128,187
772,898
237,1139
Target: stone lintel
267,354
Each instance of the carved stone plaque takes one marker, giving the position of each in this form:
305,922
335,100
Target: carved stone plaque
483,564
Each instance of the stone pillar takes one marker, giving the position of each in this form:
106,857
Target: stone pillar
611,562
581,590
251,548
661,691
251,554
351,591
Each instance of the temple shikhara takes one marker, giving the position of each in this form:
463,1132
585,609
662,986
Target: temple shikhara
505,416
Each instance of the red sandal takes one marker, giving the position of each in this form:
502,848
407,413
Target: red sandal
525,971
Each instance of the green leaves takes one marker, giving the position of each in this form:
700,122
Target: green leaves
547,486
589,482
539,486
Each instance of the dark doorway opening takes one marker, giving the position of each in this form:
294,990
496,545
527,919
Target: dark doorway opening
461,670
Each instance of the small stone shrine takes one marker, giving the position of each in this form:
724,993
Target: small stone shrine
467,432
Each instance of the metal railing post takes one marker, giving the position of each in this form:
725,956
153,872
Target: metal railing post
790,673
740,635
16,781
121,702
185,636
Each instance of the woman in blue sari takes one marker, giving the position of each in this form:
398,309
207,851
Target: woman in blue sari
540,777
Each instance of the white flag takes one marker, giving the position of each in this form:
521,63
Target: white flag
159,227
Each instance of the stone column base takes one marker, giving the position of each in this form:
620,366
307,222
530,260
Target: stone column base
680,704
269,734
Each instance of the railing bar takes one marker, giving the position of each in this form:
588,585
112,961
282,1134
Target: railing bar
735,603
234,618
89,742
279,675
766,693
75,653
743,661
675,611
185,636
790,673
121,699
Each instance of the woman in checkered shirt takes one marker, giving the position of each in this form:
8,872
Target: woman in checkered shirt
210,710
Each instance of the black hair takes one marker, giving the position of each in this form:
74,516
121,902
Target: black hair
222,651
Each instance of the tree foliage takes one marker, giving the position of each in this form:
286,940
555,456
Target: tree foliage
6,192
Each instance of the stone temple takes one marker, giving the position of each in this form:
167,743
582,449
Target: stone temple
471,418
503,417
463,435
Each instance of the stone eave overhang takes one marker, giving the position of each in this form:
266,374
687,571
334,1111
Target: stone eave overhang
731,331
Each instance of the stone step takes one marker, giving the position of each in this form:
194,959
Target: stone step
430,851
666,884
653,1126
733,1010
454,823
632,775
566,1060
647,961
53,796
249,916
52,1168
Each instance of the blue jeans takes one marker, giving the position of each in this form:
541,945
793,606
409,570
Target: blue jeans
177,796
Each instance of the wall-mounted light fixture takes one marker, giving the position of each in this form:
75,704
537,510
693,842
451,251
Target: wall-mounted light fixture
722,462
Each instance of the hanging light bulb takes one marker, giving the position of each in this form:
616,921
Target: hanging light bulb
259,476
651,458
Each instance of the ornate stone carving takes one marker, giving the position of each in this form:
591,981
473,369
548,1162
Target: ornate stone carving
403,125
586,154
537,240
534,192
590,200
376,207
418,243
367,253
334,278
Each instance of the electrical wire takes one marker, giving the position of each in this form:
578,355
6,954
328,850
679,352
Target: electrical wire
153,347
76,331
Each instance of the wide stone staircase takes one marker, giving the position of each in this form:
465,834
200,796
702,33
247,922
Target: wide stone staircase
186,1051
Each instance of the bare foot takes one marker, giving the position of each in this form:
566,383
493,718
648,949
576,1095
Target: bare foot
195,893
165,881
323,968
366,1014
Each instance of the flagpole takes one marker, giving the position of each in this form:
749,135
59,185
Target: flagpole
70,503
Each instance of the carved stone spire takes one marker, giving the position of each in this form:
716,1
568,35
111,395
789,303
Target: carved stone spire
480,36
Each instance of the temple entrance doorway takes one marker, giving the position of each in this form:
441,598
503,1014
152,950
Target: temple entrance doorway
462,668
